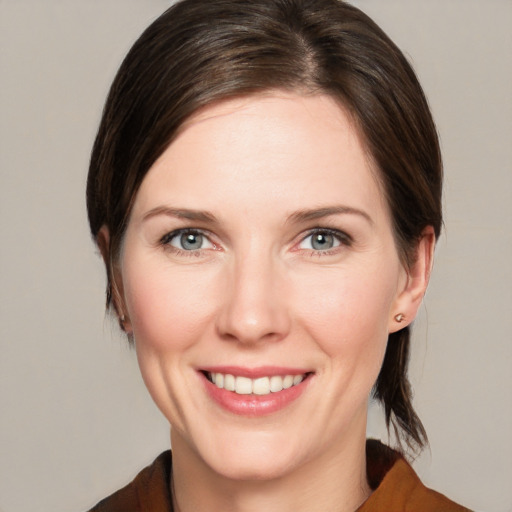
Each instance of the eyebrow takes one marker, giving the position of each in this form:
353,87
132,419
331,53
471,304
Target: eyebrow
319,213
181,213
296,217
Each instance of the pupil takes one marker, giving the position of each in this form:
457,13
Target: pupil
191,241
322,241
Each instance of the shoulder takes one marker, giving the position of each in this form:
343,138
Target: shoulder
148,492
396,486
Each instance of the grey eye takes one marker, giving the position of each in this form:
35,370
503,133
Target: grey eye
322,241
188,240
191,241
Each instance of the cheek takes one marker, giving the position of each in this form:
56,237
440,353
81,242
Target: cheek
170,312
347,311
168,308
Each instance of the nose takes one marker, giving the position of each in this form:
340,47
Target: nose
255,306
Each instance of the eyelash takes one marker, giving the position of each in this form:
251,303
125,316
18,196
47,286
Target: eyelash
167,238
343,238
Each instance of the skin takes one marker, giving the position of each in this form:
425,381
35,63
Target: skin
258,293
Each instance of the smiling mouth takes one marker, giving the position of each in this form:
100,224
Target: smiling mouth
260,386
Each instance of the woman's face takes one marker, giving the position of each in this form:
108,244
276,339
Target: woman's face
260,255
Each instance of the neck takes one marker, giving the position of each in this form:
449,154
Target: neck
334,482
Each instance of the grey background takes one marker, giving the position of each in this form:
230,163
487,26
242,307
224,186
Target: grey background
75,420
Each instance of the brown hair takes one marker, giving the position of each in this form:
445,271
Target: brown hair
200,52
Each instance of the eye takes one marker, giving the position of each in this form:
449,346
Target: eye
187,240
324,240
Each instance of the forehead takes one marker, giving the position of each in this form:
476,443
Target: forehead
277,145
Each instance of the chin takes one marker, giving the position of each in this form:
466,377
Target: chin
252,457
253,469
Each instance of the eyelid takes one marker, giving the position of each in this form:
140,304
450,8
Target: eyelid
166,239
342,237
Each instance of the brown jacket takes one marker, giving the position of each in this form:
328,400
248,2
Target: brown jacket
396,487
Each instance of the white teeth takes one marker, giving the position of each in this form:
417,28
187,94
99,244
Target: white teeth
260,386
243,386
229,382
276,383
219,380
288,382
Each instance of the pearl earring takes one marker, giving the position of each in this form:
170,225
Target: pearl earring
400,317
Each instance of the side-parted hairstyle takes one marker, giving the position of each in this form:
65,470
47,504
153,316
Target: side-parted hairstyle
200,52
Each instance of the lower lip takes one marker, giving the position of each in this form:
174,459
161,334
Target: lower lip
254,405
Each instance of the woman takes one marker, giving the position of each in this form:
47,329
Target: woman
265,189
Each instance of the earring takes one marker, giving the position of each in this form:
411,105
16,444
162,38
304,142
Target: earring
400,317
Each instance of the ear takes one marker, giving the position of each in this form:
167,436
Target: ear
411,294
115,282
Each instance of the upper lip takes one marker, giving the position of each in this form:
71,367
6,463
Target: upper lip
256,372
